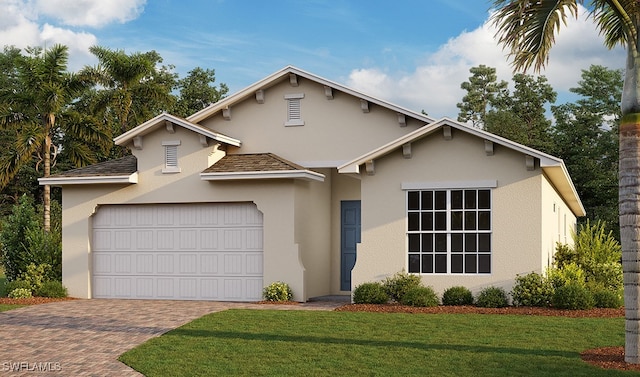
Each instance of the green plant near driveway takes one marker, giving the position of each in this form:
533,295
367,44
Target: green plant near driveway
5,307
287,343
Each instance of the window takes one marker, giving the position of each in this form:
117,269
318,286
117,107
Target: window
449,231
294,113
171,157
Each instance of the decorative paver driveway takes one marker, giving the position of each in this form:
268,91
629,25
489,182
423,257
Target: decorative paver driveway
85,337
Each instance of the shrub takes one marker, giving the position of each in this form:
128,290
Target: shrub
20,293
400,283
457,296
570,273
492,297
370,293
52,288
35,276
572,296
606,298
532,290
24,241
17,284
277,291
420,296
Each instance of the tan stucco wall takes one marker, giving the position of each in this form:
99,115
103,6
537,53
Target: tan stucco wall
558,223
517,236
335,131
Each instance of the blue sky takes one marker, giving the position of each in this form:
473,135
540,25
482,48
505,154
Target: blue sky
414,53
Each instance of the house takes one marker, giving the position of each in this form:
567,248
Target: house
302,180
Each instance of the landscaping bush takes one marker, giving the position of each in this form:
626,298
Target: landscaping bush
457,296
24,241
53,289
572,296
570,273
606,298
20,293
370,293
532,290
492,297
35,276
277,291
17,284
400,283
420,296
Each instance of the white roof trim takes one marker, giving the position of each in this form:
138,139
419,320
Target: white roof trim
553,167
114,179
276,174
157,121
275,77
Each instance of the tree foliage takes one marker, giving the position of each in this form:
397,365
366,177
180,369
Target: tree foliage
197,92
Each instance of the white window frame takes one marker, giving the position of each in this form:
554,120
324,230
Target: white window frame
171,163
294,109
448,188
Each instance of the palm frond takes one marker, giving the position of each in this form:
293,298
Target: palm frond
615,20
528,28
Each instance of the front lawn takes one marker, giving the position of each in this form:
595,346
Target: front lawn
271,342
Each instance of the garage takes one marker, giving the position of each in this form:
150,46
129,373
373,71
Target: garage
198,251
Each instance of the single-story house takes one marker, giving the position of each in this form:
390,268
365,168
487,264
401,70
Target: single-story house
302,180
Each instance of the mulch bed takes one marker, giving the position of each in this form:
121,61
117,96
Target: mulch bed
606,357
31,301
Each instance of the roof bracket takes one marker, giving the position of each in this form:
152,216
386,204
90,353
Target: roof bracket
446,131
406,150
204,141
137,142
169,127
370,167
328,92
226,113
364,105
488,147
530,162
402,120
260,96
293,79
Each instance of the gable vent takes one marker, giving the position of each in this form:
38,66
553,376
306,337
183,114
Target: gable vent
171,157
294,112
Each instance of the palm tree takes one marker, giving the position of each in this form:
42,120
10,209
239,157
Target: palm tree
527,28
29,109
132,88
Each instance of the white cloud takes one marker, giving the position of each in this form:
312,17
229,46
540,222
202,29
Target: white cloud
93,13
434,85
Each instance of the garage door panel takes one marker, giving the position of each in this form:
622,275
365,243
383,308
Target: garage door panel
188,252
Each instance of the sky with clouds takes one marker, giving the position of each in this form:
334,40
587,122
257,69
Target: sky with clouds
413,53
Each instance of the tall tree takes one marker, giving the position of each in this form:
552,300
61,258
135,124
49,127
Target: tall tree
528,29
30,111
134,87
585,135
482,90
197,92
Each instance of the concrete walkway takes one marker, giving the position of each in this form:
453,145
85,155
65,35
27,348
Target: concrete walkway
85,337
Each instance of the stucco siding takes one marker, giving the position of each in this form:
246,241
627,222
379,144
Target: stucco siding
516,215
334,131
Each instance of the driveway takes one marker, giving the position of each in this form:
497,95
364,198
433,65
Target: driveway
85,337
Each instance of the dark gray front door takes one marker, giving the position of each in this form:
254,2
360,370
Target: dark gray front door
350,237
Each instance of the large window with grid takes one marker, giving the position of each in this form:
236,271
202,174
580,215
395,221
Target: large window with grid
449,231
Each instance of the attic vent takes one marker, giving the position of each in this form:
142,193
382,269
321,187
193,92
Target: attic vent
294,114
171,156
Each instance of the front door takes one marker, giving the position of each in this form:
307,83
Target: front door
350,237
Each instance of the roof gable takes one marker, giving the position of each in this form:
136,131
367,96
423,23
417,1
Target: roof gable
167,120
291,73
552,167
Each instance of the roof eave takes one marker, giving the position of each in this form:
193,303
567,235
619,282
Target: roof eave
307,175
91,180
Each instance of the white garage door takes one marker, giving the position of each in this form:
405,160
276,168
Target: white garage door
178,252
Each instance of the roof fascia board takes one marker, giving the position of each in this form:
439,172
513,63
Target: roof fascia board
158,120
284,73
279,174
114,179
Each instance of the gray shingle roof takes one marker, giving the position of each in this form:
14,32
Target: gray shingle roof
122,166
251,163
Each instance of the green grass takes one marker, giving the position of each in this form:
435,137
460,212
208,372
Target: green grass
5,307
271,342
